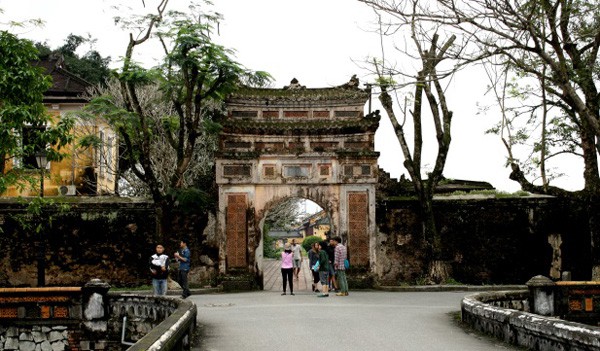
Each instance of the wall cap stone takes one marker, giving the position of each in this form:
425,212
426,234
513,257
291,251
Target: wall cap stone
540,281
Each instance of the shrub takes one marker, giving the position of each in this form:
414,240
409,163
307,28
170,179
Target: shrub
309,240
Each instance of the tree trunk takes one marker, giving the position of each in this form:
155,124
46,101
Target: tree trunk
439,271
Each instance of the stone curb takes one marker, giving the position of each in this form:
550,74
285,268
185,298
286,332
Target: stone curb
439,288
408,288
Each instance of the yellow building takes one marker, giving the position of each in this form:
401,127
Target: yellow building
317,224
85,171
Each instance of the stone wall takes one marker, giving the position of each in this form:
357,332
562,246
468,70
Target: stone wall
100,237
92,319
485,240
32,338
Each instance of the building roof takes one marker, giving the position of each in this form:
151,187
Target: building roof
302,127
66,86
282,233
296,93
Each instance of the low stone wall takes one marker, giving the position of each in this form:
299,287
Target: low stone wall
153,323
493,313
90,318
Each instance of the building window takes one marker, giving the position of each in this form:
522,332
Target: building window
269,171
243,170
324,170
302,171
357,170
32,144
348,114
244,114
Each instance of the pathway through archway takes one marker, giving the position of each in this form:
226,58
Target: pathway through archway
272,277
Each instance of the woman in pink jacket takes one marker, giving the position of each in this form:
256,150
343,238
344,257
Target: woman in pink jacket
287,268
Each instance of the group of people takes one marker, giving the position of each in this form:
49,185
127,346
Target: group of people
328,265
159,269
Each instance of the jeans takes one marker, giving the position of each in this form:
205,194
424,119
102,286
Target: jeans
343,283
160,286
182,279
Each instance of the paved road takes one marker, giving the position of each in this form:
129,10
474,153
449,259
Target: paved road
365,320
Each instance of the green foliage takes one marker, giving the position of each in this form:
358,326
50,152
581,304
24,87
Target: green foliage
165,116
22,88
192,200
90,66
452,281
41,213
309,240
269,250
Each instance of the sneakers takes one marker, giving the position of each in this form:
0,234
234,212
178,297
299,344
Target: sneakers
342,294
283,293
323,295
292,294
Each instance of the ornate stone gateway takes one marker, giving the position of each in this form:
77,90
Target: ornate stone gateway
296,142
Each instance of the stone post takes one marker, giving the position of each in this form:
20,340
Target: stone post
95,305
541,295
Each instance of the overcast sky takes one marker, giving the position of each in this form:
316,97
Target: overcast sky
322,43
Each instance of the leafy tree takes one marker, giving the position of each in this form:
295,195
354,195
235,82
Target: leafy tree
309,240
91,66
186,96
22,88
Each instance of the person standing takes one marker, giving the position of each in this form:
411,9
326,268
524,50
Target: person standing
183,256
159,269
323,269
287,268
329,248
341,254
313,257
297,258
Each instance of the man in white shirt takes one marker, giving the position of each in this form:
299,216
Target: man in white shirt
297,258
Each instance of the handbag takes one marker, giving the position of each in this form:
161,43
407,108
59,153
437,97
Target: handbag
315,268
346,264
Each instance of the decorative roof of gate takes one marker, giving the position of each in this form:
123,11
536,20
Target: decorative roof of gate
299,93
277,127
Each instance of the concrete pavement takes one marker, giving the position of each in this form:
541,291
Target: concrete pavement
365,320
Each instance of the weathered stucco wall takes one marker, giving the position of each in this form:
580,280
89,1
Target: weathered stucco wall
486,240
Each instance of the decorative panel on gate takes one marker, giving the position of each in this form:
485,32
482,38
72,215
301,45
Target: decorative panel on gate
358,220
235,230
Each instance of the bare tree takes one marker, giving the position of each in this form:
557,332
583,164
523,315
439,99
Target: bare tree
433,49
557,43
285,215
